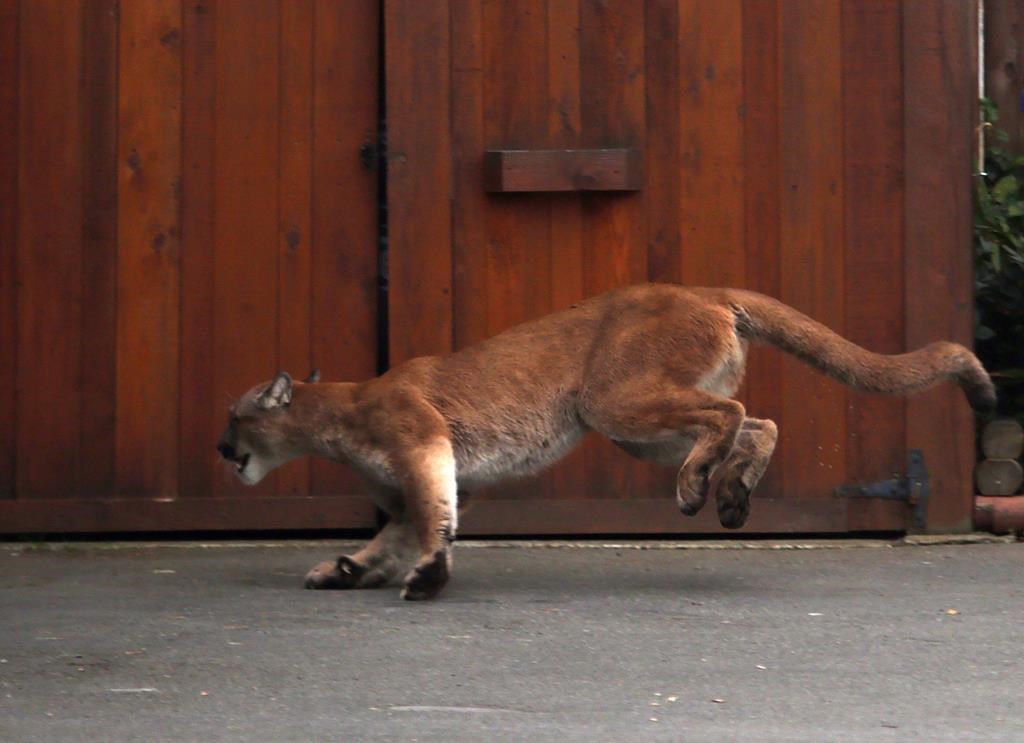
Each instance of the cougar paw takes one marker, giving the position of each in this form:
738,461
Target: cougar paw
691,492
339,574
733,500
427,579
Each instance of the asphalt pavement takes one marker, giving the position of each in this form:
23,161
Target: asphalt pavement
185,642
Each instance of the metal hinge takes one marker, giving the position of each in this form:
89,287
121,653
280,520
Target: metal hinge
911,488
373,150
369,154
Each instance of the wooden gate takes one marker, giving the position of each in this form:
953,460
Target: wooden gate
184,213
818,152
184,210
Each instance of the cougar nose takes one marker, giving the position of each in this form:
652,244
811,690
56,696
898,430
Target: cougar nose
226,450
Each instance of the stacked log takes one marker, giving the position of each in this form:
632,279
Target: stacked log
1000,473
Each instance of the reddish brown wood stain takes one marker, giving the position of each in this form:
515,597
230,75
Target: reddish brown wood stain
183,211
767,166
511,171
49,254
812,451
940,81
148,256
873,225
245,197
761,193
9,115
201,411
295,217
99,242
170,232
343,238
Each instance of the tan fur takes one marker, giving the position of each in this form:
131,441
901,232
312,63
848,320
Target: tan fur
652,367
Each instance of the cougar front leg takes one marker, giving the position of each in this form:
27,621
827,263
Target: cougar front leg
737,477
431,506
381,560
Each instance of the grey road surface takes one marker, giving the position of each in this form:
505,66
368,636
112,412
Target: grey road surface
191,643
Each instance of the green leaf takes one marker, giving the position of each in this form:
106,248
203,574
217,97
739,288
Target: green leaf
989,110
1006,186
999,265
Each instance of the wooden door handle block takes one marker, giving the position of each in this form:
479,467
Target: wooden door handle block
507,171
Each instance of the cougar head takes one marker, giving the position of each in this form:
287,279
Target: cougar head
260,435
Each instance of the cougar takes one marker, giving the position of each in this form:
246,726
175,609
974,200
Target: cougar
652,367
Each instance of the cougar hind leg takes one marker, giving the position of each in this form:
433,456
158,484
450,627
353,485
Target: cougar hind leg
383,559
671,452
736,478
661,423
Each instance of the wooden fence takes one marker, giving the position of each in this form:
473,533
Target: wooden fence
1004,65
189,201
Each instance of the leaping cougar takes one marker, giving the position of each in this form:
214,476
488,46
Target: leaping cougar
652,367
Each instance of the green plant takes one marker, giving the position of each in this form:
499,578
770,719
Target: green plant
999,266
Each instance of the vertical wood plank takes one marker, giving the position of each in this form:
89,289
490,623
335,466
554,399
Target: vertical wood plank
418,63
469,204
662,197
612,80
711,157
99,242
940,89
295,233
9,145
1004,65
873,220
762,192
563,131
344,215
516,117
149,149
811,243
565,210
49,270
246,206
203,406
516,101
613,115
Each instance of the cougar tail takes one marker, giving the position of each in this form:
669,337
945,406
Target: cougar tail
767,320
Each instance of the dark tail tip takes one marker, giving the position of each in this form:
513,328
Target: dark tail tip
973,379
982,397
978,387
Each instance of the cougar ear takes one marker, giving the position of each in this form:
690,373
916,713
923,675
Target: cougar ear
314,376
278,394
